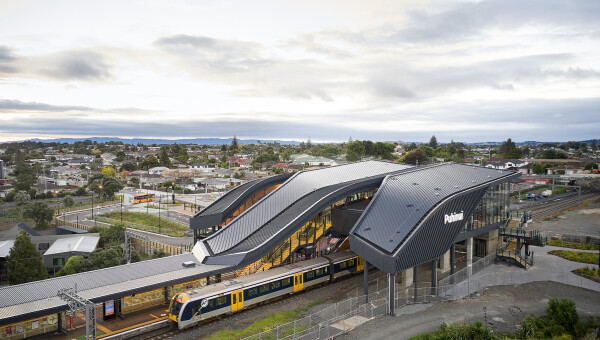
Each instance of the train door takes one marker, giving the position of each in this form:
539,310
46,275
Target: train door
360,264
298,282
237,300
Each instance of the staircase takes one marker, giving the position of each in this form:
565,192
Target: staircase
310,233
514,256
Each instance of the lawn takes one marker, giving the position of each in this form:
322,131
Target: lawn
146,219
261,325
573,245
576,256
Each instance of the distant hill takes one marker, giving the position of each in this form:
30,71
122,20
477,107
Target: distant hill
150,141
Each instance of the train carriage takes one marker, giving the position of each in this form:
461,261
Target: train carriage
203,303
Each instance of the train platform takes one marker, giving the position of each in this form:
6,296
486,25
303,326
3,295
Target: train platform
105,328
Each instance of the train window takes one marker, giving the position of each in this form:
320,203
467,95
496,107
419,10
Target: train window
264,288
310,275
221,300
351,262
234,299
319,271
211,303
326,269
275,285
285,282
295,280
343,265
252,291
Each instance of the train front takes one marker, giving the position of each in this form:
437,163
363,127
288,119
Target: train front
176,303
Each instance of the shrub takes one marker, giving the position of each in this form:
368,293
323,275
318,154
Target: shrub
563,313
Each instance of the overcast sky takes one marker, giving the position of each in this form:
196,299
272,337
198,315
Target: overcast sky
329,70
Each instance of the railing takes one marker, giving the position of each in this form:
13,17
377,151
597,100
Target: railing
526,261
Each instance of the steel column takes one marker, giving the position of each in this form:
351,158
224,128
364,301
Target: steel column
415,282
366,282
392,293
452,262
434,276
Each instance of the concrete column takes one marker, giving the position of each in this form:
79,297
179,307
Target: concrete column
366,282
415,281
452,262
444,262
392,291
406,277
469,256
434,277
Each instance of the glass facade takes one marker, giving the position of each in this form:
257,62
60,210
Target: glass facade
493,207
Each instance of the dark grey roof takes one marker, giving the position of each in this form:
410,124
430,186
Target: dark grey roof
72,230
273,215
27,229
405,201
222,208
39,298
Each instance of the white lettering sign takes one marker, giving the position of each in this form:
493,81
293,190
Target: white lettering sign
454,217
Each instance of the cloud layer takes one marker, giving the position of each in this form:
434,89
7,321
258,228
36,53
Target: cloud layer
459,70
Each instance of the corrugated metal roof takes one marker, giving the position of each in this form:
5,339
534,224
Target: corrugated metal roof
96,285
5,247
82,244
299,185
402,200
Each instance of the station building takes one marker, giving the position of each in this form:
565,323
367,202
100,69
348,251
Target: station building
399,218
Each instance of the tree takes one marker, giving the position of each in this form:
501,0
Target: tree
40,212
158,253
150,162
538,169
234,144
354,151
109,171
416,157
75,264
563,312
113,235
120,156
128,166
508,149
25,176
22,196
433,142
68,201
24,262
164,158
105,184
103,258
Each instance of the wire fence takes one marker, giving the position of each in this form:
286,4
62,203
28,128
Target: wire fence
476,267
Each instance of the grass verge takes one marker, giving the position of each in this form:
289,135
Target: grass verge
576,256
146,219
573,245
263,325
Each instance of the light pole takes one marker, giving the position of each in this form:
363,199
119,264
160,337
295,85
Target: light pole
122,208
159,201
101,198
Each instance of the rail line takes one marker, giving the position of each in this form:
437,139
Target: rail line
542,211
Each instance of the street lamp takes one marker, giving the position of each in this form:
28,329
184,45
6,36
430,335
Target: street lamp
57,205
100,193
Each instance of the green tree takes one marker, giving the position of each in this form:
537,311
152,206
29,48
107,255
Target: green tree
433,142
24,262
509,149
25,176
538,169
112,236
563,312
158,253
68,201
105,185
416,157
354,151
150,162
40,212
164,158
234,144
22,196
120,156
75,264
128,166
108,257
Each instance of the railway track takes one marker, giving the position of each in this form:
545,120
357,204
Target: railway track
542,211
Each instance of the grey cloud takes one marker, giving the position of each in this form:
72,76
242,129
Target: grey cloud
310,43
520,120
6,54
468,19
76,65
8,105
